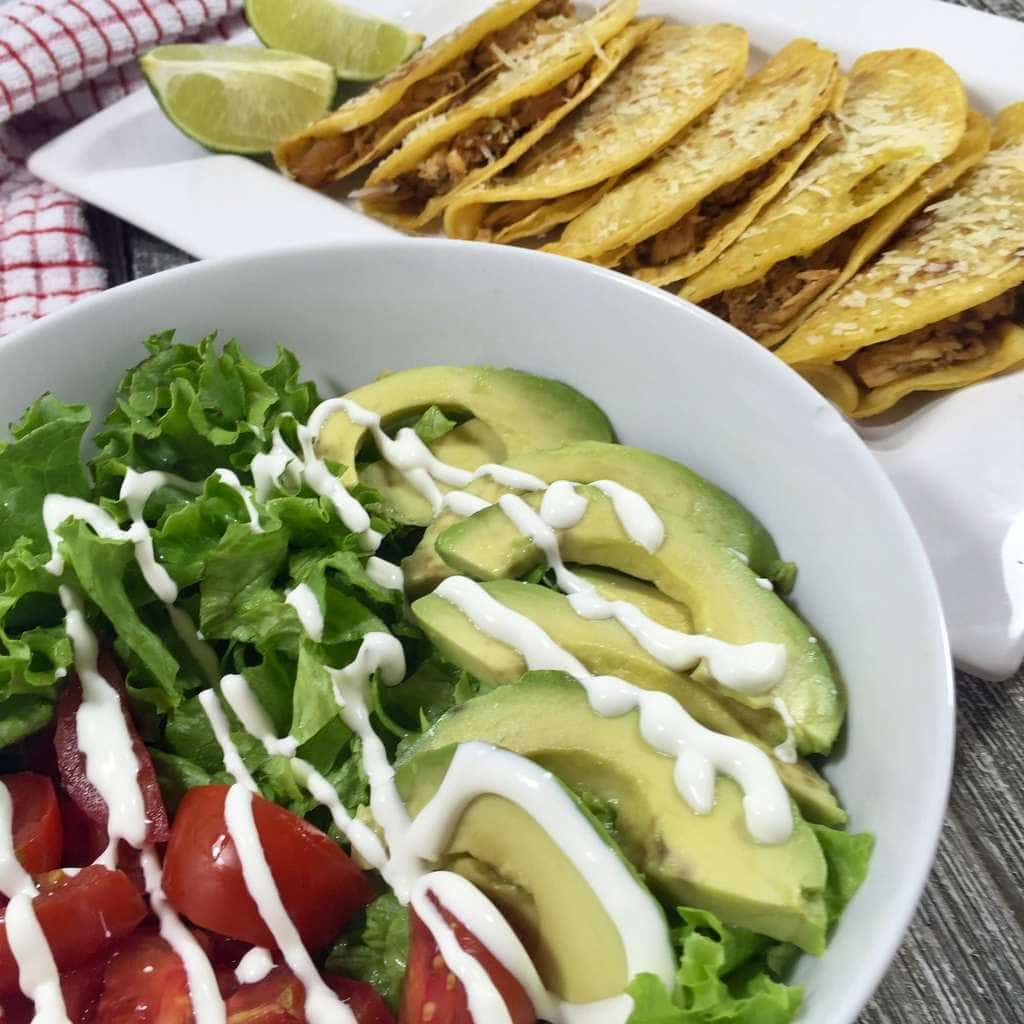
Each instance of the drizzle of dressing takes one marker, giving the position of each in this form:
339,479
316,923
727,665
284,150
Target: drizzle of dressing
110,761
242,701
307,607
561,507
379,652
786,750
254,966
639,521
764,584
385,574
230,479
202,982
750,668
37,971
699,753
271,469
322,1005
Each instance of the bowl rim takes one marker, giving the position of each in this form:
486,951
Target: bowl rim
904,904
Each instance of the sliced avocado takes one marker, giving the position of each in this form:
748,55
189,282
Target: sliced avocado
499,847
722,594
606,648
666,484
468,446
522,410
707,861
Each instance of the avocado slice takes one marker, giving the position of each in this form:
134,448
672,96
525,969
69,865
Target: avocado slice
522,410
606,648
722,594
572,941
666,484
707,861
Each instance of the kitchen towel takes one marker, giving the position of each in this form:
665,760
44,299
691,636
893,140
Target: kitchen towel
60,61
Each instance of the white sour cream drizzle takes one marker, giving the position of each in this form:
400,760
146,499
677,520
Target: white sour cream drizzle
664,724
385,574
37,971
308,609
786,750
751,668
322,1005
254,966
230,479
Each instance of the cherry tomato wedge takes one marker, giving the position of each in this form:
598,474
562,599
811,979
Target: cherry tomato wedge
319,886
362,1000
281,999
81,916
71,760
433,993
35,823
144,983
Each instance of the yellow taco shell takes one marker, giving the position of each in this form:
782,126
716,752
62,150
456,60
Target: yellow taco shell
549,78
375,121
672,78
904,111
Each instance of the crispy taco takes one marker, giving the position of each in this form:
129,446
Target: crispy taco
469,143
675,209
904,112
377,120
672,78
944,306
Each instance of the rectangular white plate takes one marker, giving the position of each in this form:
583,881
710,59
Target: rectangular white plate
958,461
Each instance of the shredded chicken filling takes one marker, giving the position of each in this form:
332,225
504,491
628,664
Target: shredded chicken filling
480,144
691,232
460,79
957,339
775,301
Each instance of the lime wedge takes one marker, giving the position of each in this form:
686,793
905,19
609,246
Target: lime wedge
358,46
238,99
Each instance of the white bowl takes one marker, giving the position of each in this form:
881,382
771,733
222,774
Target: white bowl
674,380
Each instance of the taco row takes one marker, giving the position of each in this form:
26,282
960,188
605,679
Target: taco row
869,227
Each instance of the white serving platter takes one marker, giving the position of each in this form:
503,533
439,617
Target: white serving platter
957,461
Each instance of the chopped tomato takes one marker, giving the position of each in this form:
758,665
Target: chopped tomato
81,915
433,993
280,999
362,1000
319,886
71,760
144,983
35,821
80,988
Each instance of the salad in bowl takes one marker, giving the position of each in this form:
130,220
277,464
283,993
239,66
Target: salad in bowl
429,702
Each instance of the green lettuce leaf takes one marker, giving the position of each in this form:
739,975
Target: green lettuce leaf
44,457
848,857
723,978
433,425
189,409
375,948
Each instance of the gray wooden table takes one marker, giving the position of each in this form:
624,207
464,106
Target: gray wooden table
963,960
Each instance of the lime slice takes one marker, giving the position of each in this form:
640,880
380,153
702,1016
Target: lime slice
358,46
238,99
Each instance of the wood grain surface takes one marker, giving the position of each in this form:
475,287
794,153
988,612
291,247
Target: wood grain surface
963,958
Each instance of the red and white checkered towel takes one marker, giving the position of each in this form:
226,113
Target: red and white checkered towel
60,61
